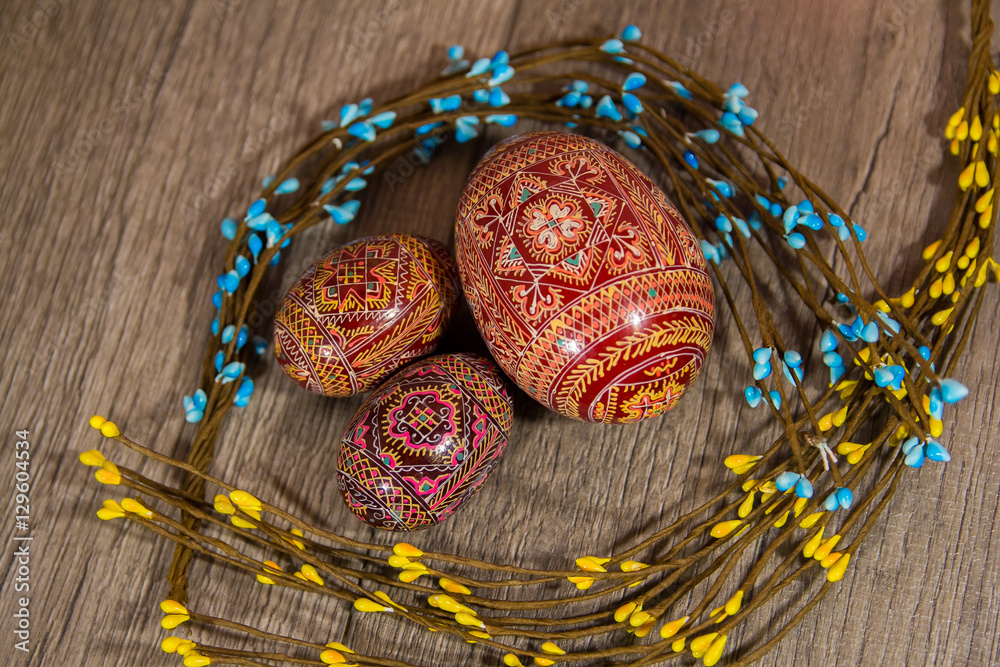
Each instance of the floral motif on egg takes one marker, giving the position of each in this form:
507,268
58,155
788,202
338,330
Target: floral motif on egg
365,310
586,283
424,442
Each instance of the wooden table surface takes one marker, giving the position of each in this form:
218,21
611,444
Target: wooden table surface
129,130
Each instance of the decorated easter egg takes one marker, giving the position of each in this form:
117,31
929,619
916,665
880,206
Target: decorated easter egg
586,283
424,442
365,310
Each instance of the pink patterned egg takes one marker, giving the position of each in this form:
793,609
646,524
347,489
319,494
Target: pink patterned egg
587,285
424,442
364,311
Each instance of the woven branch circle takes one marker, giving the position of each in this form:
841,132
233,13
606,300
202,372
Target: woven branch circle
797,508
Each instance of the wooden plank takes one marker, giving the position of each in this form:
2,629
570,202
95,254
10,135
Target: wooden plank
130,130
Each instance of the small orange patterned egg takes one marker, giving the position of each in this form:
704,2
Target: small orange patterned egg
364,311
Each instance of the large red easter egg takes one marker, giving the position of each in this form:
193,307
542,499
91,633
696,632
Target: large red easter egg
357,315
587,285
424,442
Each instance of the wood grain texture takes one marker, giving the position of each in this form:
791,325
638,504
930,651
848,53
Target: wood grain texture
128,130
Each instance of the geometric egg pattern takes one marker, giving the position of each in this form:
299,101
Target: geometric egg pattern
583,278
359,314
424,442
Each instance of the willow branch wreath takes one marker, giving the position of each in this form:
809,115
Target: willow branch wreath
797,508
